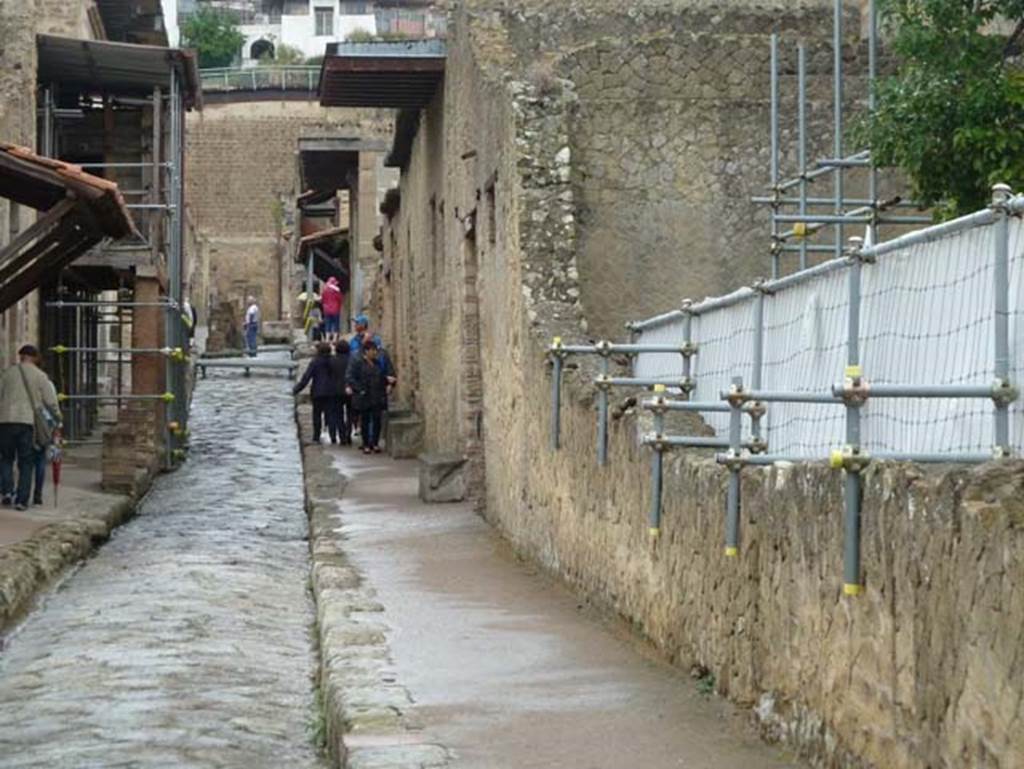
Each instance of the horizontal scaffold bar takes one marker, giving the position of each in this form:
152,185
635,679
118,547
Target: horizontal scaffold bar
864,457
231,363
781,396
685,441
924,391
667,405
176,353
611,348
169,304
165,397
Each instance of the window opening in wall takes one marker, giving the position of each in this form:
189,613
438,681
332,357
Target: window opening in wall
492,216
324,21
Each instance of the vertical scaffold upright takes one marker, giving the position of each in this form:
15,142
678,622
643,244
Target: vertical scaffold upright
163,237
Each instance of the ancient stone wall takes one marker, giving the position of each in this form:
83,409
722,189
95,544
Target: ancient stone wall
924,669
241,177
20,22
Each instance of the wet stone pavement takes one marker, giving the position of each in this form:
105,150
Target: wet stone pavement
186,641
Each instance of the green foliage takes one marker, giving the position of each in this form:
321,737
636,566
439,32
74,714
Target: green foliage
360,36
952,117
214,35
284,54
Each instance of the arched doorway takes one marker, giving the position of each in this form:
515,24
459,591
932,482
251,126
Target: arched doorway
261,49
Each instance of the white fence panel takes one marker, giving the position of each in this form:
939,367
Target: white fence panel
805,352
927,319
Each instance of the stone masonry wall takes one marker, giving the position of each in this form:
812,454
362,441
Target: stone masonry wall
922,671
20,21
241,174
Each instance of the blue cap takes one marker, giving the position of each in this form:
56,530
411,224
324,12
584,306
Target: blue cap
362,320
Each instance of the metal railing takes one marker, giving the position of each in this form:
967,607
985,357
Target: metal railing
304,78
910,350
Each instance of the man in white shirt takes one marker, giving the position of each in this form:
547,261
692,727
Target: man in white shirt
252,326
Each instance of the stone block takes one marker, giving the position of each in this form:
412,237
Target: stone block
277,332
404,435
442,478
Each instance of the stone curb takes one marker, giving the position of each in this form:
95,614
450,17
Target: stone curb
28,568
368,715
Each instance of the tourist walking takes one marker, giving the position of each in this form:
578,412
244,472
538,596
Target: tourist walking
251,326
342,403
29,416
370,377
324,392
362,324
331,300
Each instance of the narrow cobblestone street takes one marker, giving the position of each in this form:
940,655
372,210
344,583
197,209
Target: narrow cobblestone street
186,641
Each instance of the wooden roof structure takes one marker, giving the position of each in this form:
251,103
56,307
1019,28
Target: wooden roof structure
79,210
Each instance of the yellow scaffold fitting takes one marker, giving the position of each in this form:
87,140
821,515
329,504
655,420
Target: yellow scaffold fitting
849,589
556,344
836,459
177,354
61,397
167,397
801,230
732,552
654,533
849,459
660,389
59,349
853,372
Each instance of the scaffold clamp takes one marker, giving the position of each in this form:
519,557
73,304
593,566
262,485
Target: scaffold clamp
849,458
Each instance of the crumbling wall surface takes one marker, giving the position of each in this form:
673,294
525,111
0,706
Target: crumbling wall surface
922,671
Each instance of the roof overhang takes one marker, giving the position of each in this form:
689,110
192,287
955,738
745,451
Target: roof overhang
123,69
80,210
403,75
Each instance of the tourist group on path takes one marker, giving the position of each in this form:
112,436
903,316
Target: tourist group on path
351,381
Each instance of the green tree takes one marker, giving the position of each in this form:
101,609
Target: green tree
952,116
214,35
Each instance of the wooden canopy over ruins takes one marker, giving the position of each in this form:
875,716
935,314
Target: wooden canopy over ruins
79,210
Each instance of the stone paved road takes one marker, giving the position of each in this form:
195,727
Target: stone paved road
186,641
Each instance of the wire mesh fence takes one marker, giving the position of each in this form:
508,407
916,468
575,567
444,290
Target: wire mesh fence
927,308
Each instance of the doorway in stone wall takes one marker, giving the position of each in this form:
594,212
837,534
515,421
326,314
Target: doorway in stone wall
472,367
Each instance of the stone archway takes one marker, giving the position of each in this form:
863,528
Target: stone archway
261,49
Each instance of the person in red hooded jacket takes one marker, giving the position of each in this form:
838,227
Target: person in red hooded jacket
331,300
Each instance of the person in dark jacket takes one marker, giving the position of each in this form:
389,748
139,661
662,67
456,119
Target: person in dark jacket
321,373
370,377
342,403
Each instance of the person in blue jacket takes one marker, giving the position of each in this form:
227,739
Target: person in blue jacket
321,372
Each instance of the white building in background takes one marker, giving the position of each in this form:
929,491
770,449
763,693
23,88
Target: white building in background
307,26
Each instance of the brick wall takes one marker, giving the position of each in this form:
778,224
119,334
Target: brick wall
241,173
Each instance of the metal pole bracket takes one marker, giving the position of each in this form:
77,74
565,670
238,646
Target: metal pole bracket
855,390
849,458
735,395
1004,393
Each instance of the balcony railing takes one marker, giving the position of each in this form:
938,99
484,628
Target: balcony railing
261,78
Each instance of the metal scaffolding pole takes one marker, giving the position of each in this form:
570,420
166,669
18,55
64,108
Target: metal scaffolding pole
802,140
837,84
